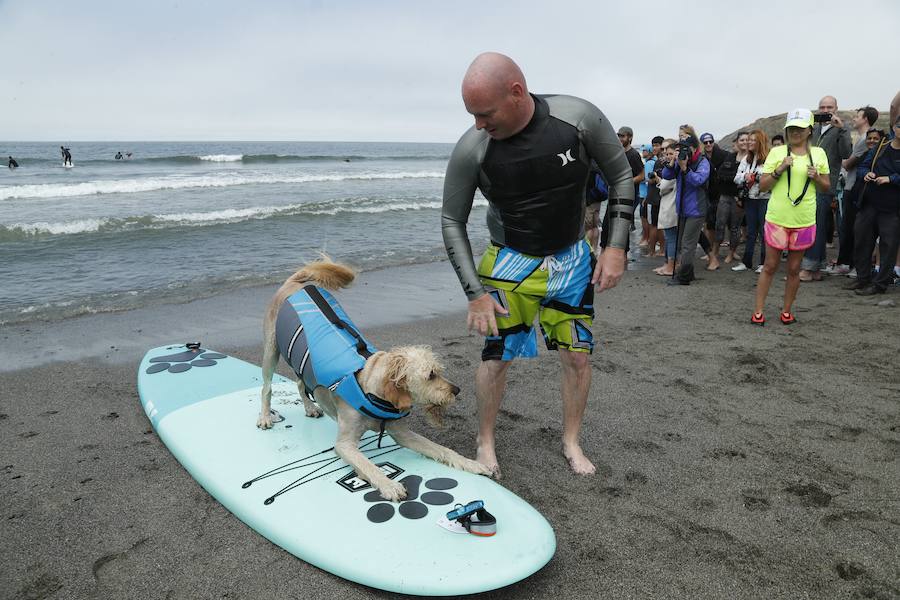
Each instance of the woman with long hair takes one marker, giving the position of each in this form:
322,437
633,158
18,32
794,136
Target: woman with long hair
668,220
794,173
729,212
751,199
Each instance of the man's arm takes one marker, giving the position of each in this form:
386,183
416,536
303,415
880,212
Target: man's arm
603,146
460,183
845,143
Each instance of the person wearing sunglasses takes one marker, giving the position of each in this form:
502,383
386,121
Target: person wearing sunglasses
794,173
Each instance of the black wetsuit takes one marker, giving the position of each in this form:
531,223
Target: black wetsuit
535,183
12,163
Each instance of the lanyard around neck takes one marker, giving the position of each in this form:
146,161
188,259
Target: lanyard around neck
799,198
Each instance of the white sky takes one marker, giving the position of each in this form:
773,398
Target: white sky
391,71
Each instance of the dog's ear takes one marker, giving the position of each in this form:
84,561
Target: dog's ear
400,398
395,385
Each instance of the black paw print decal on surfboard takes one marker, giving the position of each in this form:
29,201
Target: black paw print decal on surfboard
184,361
414,507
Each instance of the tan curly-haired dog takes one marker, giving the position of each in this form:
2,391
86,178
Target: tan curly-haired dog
406,376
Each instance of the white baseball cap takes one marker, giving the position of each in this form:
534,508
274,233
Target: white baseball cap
799,117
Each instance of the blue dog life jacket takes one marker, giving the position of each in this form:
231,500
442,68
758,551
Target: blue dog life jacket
324,348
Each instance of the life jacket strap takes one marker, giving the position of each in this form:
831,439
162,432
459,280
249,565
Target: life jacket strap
332,317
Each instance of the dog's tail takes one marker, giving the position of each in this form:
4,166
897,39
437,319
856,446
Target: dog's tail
325,273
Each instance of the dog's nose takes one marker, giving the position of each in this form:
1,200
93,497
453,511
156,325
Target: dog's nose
454,389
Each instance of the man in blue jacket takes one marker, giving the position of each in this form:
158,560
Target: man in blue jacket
691,174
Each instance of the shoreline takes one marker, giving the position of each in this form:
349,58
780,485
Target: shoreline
230,319
733,460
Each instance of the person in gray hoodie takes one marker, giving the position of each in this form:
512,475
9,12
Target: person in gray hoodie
835,140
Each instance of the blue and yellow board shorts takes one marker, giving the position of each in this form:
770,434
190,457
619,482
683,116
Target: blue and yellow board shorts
557,289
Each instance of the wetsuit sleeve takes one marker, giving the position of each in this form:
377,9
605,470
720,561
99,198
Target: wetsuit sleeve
460,183
604,147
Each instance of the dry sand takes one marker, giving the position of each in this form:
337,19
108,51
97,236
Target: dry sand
734,461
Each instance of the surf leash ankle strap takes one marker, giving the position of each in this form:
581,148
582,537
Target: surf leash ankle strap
474,518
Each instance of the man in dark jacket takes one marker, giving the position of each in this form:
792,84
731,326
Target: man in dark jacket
835,140
691,175
716,156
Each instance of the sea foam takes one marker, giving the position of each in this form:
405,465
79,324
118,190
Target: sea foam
150,184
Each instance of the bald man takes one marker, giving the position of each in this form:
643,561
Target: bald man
835,140
530,157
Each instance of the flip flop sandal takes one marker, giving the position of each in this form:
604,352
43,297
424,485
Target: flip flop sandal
758,319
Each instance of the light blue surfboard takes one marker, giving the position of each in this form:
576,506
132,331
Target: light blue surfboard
287,484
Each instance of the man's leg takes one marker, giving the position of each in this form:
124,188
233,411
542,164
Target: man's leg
490,383
576,382
889,239
847,240
865,232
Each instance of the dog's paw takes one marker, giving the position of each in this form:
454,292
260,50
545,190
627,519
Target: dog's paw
473,466
266,420
393,491
313,411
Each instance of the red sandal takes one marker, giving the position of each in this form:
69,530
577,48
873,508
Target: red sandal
788,318
758,319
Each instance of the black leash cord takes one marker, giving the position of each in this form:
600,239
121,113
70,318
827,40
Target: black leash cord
303,479
285,468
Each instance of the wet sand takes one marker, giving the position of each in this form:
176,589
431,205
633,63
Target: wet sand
733,461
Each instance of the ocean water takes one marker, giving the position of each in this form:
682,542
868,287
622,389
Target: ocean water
179,221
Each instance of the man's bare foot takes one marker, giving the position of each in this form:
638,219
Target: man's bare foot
485,455
578,461
713,265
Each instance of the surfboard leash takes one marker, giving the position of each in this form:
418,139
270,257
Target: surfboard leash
306,478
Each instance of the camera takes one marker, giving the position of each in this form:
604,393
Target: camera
684,152
822,118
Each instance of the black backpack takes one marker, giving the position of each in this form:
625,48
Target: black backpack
725,175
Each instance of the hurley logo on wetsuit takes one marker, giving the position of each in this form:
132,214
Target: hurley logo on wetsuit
566,157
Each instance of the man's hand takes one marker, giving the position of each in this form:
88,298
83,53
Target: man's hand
683,164
836,120
481,315
609,269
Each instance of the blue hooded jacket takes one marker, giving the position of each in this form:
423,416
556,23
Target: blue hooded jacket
691,196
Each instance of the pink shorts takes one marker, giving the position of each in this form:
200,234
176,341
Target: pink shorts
787,238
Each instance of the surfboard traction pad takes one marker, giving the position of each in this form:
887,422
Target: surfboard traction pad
184,361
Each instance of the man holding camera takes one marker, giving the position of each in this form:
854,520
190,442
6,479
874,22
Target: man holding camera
829,134
691,174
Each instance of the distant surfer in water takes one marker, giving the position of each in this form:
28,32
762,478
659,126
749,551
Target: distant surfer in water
66,156
119,156
12,163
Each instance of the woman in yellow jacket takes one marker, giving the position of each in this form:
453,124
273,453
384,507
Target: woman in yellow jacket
794,173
